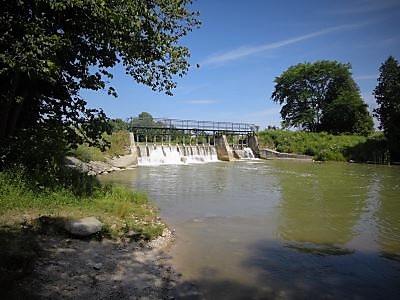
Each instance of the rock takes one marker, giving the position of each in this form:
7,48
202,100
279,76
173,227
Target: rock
98,166
122,162
83,227
74,163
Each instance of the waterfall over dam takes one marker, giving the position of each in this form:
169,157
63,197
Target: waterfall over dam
194,141
153,155
149,155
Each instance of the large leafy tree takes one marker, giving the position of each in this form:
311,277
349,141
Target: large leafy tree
52,49
387,94
347,114
321,96
145,125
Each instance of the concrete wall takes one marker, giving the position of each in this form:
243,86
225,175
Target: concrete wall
224,152
253,145
272,154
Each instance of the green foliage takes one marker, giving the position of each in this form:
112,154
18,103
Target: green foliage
120,209
321,96
119,143
118,125
145,120
347,114
86,153
27,208
326,147
387,94
51,50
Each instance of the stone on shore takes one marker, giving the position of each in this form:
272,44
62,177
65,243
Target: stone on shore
83,227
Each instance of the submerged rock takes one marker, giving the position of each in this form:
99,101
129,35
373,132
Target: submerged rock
83,227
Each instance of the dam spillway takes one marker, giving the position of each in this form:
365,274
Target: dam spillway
150,155
154,155
171,141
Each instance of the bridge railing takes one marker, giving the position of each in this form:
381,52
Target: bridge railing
206,126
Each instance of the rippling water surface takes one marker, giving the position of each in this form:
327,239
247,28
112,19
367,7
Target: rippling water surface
280,229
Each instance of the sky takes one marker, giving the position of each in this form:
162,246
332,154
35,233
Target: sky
242,46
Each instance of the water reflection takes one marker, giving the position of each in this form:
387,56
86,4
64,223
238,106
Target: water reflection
321,250
387,214
294,274
320,204
280,229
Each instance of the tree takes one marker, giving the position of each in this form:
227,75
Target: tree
51,50
144,119
145,125
321,96
387,94
118,125
347,114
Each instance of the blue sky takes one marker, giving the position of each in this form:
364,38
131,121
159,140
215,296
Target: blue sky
243,45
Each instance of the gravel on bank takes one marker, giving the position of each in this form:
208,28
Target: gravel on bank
70,268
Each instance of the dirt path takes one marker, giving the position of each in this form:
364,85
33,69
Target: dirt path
77,269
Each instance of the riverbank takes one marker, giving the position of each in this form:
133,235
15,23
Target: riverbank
327,147
40,259
68,268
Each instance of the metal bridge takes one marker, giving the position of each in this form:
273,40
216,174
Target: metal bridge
167,126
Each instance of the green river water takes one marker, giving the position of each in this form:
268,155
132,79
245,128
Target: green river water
280,229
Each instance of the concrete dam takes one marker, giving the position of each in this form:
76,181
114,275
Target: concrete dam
156,154
190,142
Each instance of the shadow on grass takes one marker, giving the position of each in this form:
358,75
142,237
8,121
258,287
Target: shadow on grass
41,261
373,150
20,248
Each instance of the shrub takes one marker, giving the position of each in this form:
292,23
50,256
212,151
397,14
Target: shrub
323,146
119,145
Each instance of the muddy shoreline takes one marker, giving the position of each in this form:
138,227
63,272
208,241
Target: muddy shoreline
69,268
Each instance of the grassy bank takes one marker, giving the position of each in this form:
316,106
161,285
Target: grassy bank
29,210
120,209
327,147
119,145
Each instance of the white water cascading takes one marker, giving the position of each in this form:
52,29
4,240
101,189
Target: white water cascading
244,153
153,155
248,153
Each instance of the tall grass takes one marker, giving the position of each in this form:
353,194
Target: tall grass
326,147
120,209
119,145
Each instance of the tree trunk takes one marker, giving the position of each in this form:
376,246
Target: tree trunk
7,106
4,113
13,118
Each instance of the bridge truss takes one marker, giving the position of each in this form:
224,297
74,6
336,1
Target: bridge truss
167,126
161,130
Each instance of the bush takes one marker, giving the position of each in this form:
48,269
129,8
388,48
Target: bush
119,145
326,147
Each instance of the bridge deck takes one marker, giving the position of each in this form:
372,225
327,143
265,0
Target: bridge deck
197,126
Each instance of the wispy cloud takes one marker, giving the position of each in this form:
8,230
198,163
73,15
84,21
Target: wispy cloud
391,41
200,102
366,77
367,6
247,51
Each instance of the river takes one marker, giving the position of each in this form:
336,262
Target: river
280,229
